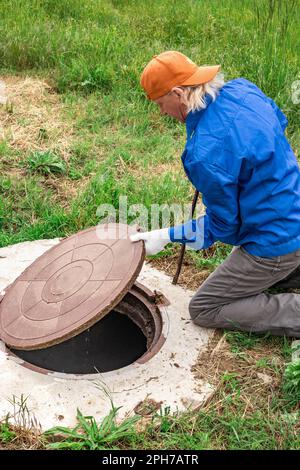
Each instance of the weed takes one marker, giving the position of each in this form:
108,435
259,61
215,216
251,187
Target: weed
92,436
45,163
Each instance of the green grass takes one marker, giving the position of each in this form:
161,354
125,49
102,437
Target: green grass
94,58
92,54
211,258
6,433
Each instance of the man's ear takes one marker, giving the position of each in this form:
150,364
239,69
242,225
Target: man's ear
178,91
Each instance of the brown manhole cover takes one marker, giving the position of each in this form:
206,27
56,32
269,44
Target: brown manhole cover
70,287
76,310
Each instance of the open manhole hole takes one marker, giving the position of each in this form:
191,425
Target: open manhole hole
131,332
78,310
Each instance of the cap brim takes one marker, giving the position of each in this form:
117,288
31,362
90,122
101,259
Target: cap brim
202,75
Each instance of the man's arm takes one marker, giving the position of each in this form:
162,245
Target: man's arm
221,222
220,195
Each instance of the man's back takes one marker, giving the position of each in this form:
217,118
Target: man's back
238,157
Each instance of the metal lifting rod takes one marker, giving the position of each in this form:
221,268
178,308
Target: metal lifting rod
182,250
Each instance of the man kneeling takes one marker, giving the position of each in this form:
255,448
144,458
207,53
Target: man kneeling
238,157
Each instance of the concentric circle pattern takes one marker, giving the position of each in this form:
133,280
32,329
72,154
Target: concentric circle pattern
70,287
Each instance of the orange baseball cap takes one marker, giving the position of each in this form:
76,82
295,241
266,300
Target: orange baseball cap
171,68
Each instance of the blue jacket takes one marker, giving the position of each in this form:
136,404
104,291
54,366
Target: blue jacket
238,157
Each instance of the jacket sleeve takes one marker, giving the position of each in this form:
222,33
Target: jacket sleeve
220,196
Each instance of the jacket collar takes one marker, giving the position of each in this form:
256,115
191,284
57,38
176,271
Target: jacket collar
192,118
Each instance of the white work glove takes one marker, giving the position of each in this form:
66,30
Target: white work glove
155,241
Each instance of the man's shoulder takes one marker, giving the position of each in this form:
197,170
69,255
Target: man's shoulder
240,84
229,113
216,120
239,90
237,100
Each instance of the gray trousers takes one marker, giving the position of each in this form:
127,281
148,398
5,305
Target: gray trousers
232,296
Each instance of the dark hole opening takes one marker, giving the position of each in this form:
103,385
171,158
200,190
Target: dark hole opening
114,342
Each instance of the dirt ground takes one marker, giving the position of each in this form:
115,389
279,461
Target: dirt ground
190,276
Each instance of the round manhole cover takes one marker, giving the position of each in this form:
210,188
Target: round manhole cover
70,287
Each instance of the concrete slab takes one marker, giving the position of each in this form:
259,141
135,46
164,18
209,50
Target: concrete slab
166,378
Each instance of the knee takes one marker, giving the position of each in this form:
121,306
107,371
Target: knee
200,314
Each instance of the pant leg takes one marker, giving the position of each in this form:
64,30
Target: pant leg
232,296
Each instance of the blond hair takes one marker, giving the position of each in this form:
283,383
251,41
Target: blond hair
194,96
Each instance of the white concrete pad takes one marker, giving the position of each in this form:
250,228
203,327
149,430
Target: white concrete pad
166,378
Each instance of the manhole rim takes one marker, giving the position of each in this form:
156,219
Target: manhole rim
154,309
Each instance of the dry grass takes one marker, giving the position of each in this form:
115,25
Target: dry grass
26,433
160,169
32,117
24,440
65,190
255,385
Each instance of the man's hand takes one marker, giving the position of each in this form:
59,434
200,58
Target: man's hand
155,241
